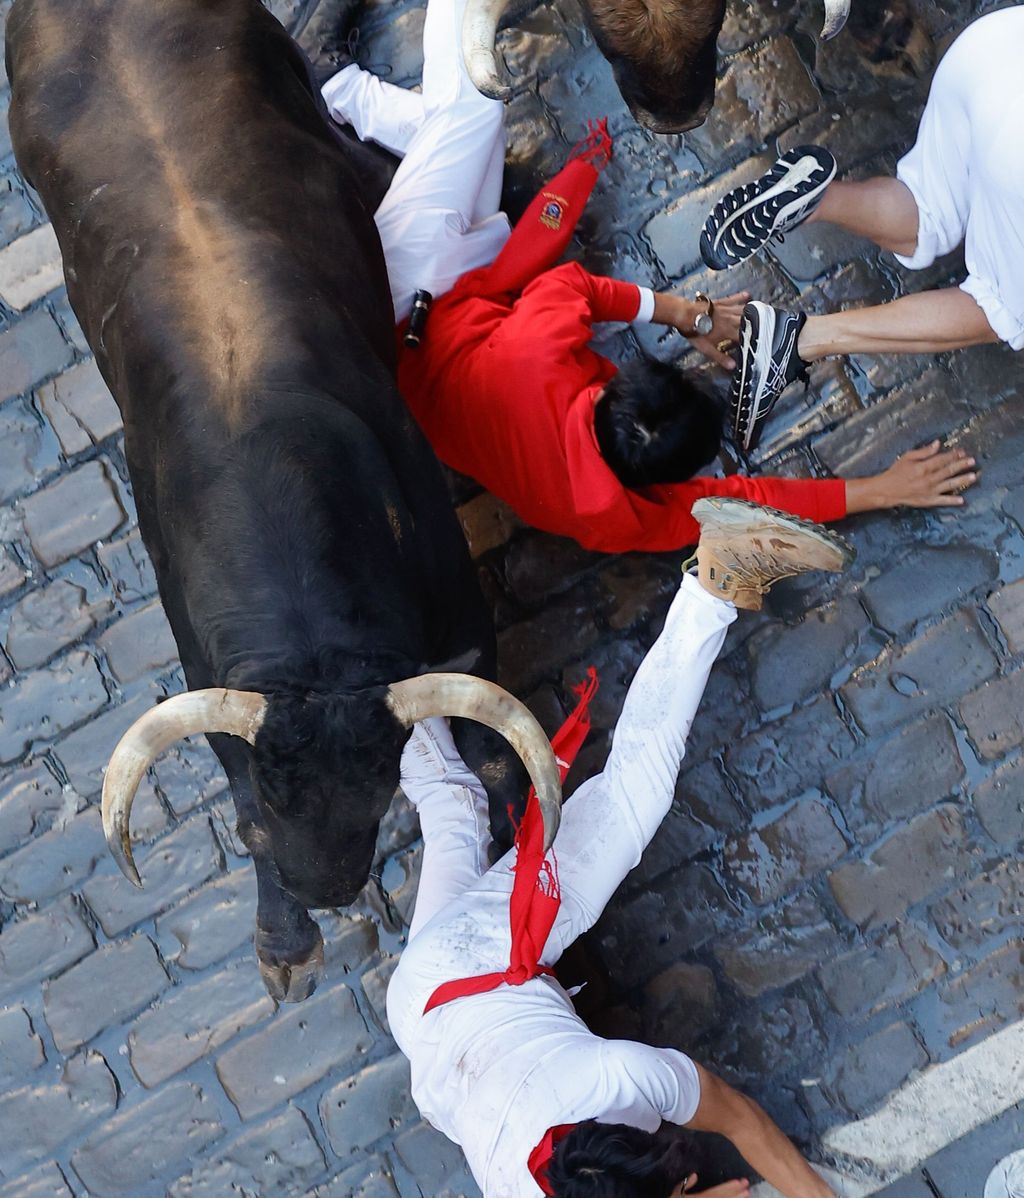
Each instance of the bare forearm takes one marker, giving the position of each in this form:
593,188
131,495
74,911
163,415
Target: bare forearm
675,311
765,1148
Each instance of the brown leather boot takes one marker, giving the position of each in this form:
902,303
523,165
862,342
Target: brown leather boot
744,549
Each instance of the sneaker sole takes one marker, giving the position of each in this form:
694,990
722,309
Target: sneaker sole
813,165
720,514
749,411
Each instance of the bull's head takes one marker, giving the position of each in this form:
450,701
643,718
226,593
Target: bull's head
322,802
663,53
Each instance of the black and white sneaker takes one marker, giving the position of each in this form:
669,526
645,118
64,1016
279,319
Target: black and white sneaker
769,362
750,216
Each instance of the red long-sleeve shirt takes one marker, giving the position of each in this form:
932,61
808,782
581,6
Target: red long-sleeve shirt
504,389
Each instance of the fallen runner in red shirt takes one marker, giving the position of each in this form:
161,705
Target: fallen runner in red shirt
505,385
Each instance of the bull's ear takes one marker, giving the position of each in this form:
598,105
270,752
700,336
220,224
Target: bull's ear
465,663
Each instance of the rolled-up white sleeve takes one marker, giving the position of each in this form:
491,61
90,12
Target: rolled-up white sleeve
651,1084
646,313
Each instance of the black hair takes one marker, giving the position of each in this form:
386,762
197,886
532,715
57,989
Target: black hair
653,425
611,1160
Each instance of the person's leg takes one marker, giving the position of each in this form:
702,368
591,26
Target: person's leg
378,111
452,807
929,322
882,210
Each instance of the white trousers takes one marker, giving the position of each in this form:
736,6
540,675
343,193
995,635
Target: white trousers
460,927
440,217
966,170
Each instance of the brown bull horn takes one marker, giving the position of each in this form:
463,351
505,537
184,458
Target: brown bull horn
836,12
483,62
474,699
236,713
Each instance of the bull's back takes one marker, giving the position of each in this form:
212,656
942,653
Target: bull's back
207,216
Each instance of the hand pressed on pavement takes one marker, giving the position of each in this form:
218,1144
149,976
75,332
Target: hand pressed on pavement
925,477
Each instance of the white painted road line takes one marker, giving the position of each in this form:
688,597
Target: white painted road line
937,1108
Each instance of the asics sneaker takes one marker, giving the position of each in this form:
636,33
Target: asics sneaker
748,217
768,363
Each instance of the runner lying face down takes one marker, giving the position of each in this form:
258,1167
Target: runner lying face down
500,1061
963,182
504,383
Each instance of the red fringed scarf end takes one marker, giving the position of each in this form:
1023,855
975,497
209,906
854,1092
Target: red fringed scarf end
536,895
596,147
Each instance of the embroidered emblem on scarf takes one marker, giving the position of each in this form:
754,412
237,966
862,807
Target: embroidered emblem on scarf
553,210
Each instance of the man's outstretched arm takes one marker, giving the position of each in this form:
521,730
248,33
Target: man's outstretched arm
762,1144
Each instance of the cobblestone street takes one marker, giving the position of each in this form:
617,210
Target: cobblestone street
830,916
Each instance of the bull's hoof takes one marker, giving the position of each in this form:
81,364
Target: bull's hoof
291,981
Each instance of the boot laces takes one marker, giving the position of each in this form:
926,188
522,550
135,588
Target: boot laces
758,569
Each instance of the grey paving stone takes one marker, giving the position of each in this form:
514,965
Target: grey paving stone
789,664
39,1117
102,991
16,214
29,800
349,943
881,973
368,1179
981,1000
73,514
189,775
898,777
48,702
69,322
45,1182
84,753
29,352
214,921
138,644
178,863
80,408
993,715
771,860
127,565
435,1162
784,946
12,574
144,1141
196,1018
930,580
297,1049
41,945
908,1187
917,860
645,935
999,802
960,1171
680,1004
533,650
30,449
368,1106
279,1157
48,620
877,1066
21,1050
55,861
30,268
931,671
784,759
986,908
375,987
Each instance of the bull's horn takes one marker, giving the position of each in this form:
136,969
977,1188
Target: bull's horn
483,62
236,713
474,699
836,12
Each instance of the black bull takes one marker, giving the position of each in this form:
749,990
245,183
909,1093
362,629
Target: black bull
221,256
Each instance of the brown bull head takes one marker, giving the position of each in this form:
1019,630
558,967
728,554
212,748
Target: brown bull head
663,53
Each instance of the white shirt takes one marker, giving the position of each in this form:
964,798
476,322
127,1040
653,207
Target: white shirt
495,1071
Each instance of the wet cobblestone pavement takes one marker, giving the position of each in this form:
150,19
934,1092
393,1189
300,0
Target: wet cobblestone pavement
831,914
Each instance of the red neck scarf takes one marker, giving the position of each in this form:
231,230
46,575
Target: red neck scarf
541,1156
536,896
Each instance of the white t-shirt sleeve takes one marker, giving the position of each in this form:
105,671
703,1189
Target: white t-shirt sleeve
651,1081
646,313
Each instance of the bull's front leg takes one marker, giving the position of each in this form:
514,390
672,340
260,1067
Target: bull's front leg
289,946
